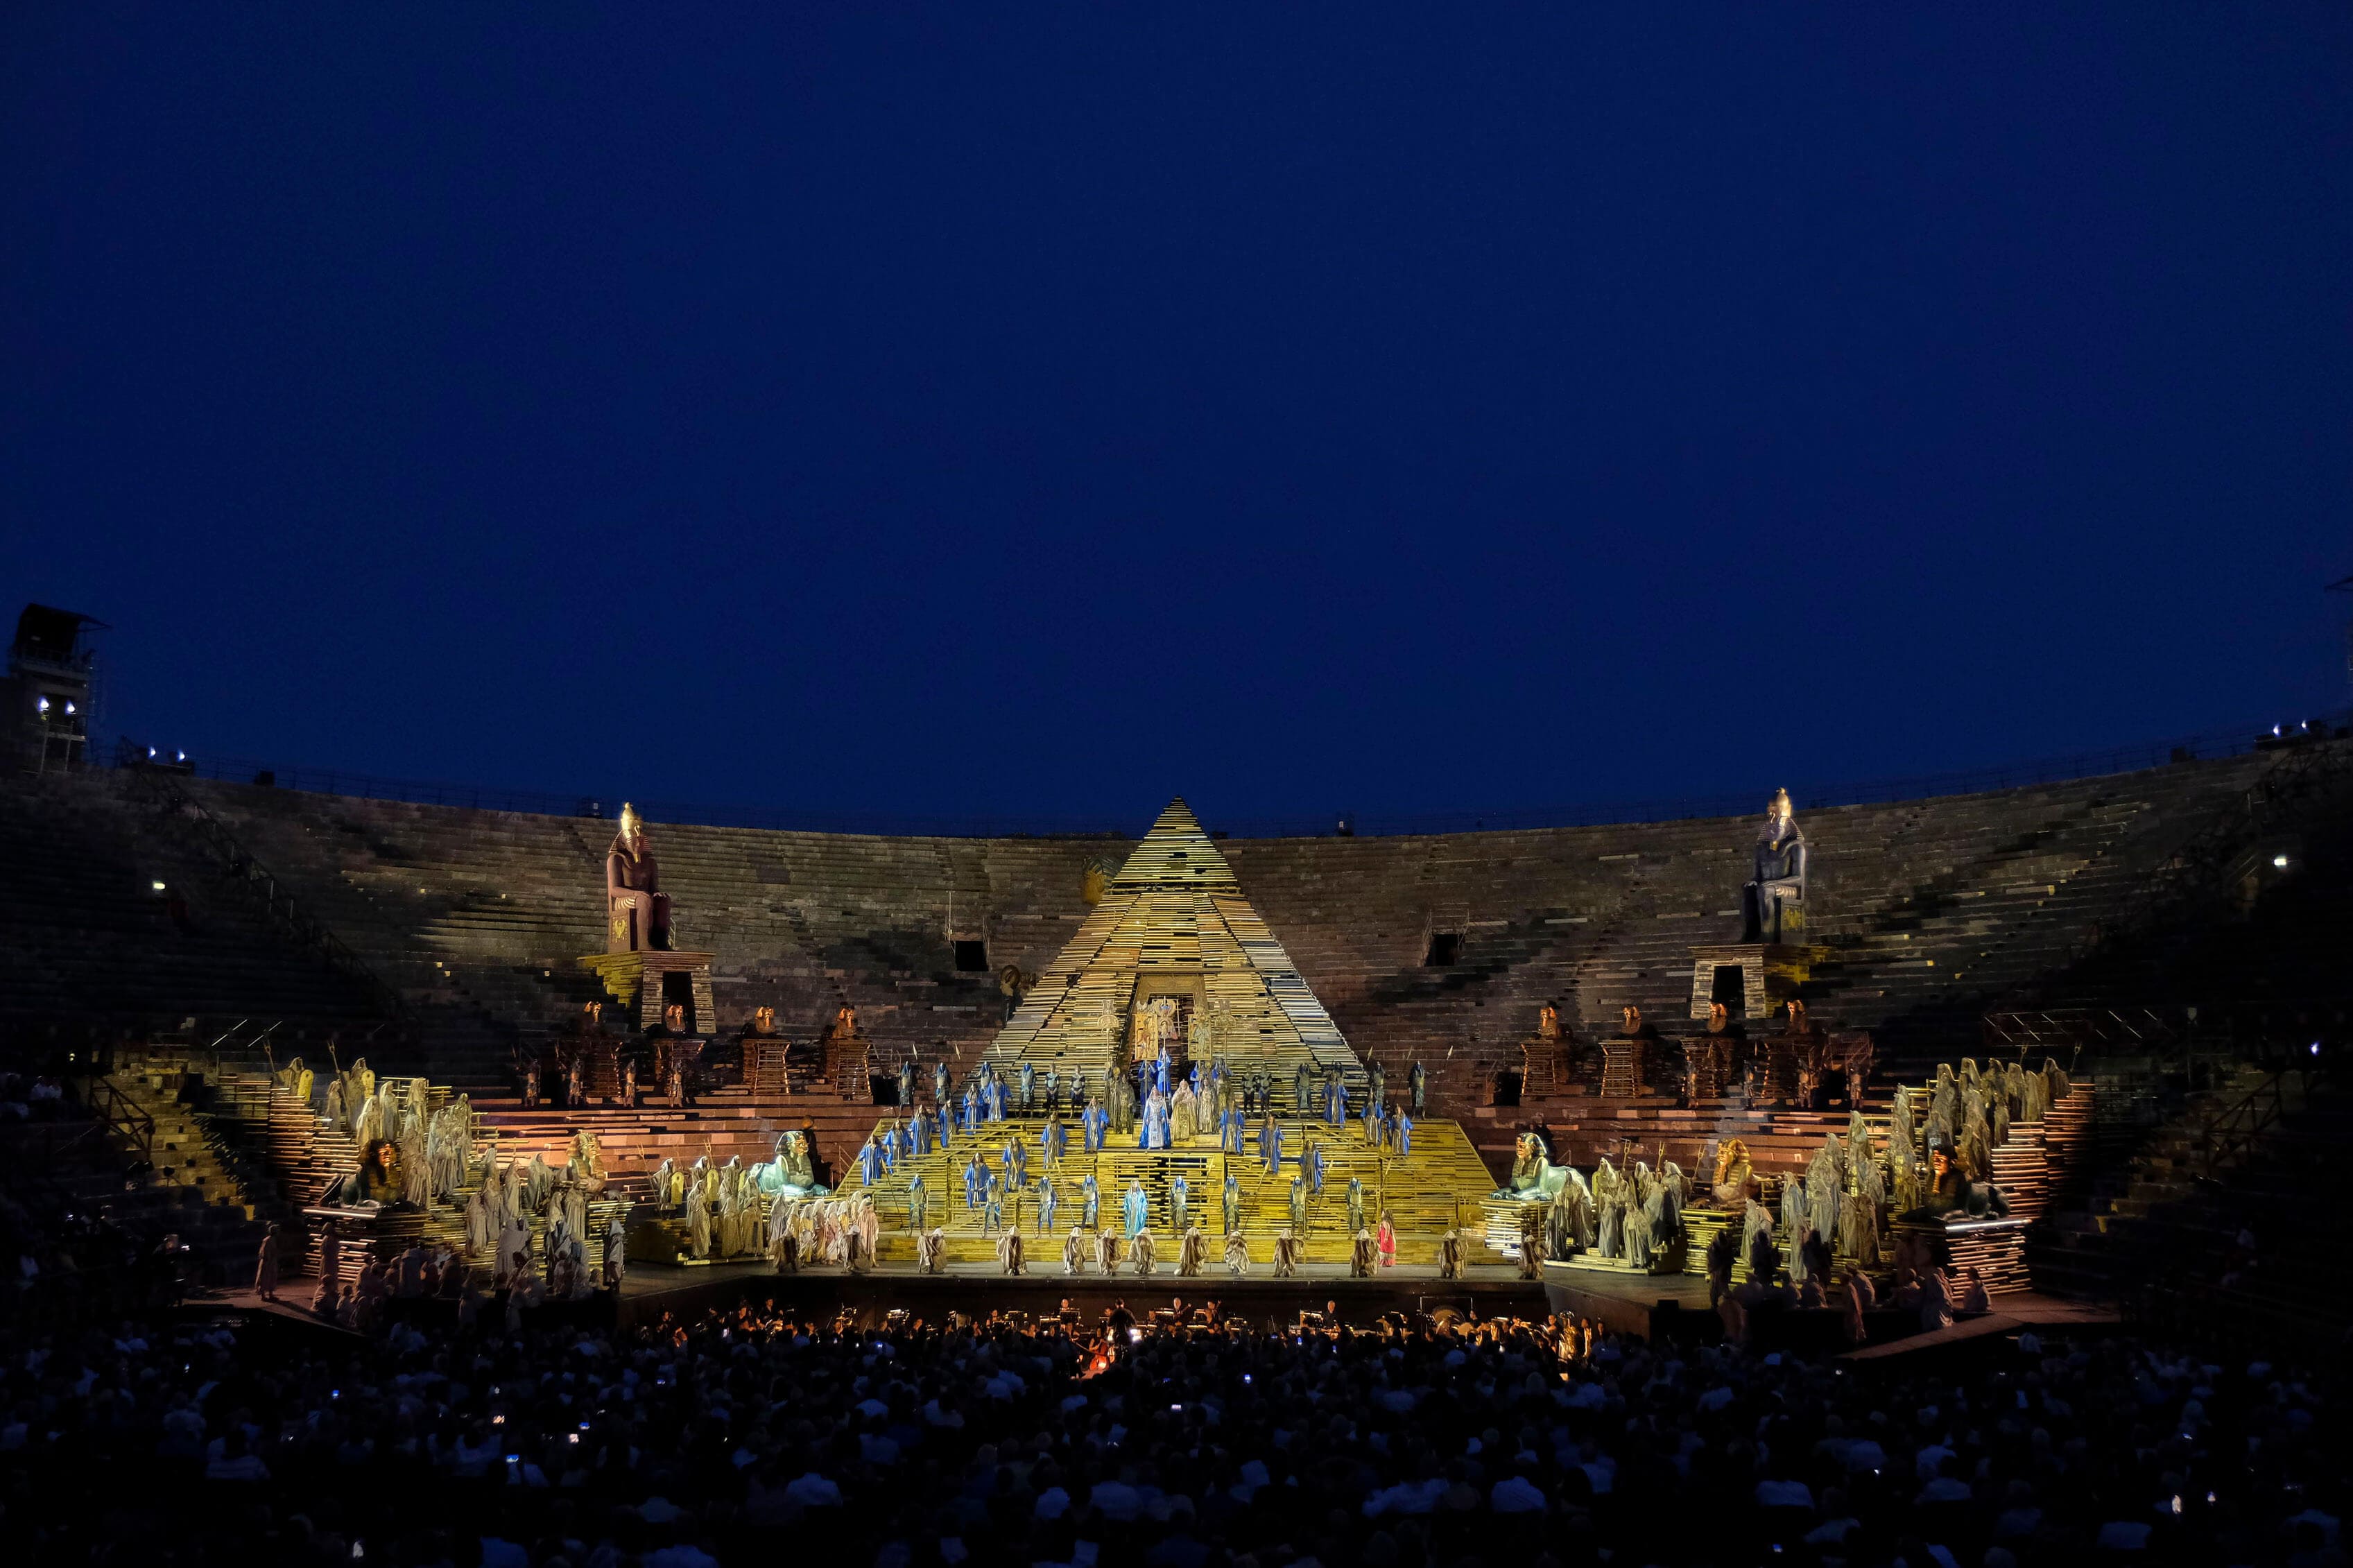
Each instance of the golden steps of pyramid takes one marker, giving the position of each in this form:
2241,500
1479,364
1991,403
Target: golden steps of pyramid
1438,1186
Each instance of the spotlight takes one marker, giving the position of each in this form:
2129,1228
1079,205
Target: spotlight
2280,861
179,756
157,885
151,753
71,709
40,704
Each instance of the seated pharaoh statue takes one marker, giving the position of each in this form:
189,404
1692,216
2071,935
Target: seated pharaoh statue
637,910
1773,905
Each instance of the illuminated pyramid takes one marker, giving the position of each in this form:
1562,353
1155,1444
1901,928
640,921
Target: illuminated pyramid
1173,923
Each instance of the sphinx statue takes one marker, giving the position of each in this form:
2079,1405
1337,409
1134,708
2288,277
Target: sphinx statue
1773,905
1534,1178
637,910
791,1174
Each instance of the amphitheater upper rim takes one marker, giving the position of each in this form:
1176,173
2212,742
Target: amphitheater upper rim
2120,761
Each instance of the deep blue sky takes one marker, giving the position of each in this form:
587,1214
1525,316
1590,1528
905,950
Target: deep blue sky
1044,409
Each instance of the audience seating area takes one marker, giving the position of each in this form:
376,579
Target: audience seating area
1931,908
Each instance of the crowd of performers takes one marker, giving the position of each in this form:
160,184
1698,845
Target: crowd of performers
1866,1199
519,1225
776,1210
1158,1107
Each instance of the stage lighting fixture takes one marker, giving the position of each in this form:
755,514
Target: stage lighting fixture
2280,861
40,704
71,709
157,885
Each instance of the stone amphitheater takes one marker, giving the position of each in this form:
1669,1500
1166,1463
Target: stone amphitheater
445,941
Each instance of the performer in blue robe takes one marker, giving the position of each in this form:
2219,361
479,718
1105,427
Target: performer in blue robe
1336,1102
1230,1202
1136,1210
1156,1121
1405,1136
919,1133
1372,1122
1028,1086
1045,1207
1160,1074
869,1161
1314,1160
1270,1145
907,1082
971,1109
1053,1089
1092,1197
1179,1199
1094,1124
997,1099
972,1182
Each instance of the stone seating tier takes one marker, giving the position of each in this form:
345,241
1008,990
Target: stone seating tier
1934,910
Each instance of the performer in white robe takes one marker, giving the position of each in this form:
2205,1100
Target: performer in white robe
1360,1255
477,1223
1074,1253
698,1222
1450,1254
513,1239
1189,1253
1142,1251
1637,1235
932,1250
1107,1250
616,1251
1009,1250
1238,1258
1286,1256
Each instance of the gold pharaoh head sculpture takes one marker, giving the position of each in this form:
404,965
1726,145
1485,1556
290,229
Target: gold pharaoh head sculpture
632,824
1776,809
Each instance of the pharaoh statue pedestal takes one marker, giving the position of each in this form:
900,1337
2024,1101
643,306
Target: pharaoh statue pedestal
1757,975
645,984
1754,979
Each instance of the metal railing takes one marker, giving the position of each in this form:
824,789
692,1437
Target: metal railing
2243,1127
122,1116
2077,1029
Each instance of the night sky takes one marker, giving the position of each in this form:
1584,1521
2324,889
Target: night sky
1039,411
